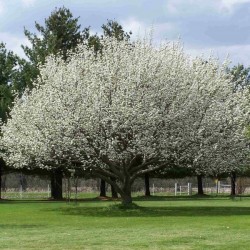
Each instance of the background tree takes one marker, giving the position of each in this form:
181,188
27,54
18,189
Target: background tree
8,73
240,77
110,29
60,33
102,188
113,29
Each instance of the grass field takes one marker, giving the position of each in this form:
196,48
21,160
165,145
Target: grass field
159,223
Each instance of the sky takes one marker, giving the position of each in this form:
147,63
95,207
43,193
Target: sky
220,27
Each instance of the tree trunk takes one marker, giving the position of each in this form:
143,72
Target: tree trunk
147,189
23,182
200,186
126,200
126,196
121,184
2,165
56,184
3,182
103,188
113,191
233,184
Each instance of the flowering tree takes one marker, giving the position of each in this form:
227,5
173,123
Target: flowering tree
213,122
122,113
222,144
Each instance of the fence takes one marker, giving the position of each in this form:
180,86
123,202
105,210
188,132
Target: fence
183,189
20,186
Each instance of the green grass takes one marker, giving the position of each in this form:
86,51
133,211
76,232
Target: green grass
158,223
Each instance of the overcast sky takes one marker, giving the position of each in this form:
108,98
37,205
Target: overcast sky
221,26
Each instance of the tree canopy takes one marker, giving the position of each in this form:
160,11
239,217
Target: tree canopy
126,111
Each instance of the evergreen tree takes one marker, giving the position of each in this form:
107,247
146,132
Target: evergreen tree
60,34
240,77
8,74
113,29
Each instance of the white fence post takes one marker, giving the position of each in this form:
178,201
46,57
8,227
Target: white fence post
189,188
48,192
175,189
21,191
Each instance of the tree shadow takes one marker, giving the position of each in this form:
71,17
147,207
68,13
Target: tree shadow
20,226
173,211
15,201
137,198
180,198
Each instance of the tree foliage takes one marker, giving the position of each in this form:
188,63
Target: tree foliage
113,29
240,77
11,79
60,34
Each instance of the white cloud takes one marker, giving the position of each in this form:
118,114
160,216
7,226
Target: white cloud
187,7
236,53
28,3
230,4
166,30
172,7
192,7
161,31
1,6
132,24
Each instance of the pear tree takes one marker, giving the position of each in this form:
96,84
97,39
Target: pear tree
129,110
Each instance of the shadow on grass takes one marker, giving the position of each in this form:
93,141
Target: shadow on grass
20,226
181,198
15,201
176,211
137,198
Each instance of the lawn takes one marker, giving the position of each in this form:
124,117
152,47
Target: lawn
159,223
